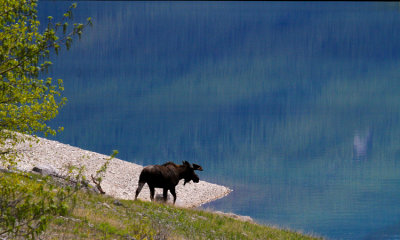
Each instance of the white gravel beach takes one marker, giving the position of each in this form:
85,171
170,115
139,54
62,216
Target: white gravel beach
121,178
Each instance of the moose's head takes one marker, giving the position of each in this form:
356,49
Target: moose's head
189,174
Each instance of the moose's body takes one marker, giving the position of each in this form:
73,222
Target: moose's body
166,176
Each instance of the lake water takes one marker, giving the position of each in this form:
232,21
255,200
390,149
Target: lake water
295,106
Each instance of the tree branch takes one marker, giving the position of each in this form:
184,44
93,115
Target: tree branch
52,44
98,186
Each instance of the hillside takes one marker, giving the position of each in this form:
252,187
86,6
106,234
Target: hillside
95,216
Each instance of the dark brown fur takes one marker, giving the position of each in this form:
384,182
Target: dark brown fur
167,176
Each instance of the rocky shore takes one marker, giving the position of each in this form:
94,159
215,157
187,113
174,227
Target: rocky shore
121,178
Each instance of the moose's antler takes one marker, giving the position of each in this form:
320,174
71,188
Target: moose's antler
197,167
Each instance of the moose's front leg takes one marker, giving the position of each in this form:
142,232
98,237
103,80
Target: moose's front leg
151,193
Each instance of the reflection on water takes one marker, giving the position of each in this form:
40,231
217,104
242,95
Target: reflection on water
362,144
294,106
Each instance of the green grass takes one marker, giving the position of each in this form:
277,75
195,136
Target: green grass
103,217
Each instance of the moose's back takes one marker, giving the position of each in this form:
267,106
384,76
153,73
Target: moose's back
160,176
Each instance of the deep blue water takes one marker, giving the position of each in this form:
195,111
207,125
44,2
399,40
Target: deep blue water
295,106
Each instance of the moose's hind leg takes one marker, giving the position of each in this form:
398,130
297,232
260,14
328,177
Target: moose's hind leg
139,188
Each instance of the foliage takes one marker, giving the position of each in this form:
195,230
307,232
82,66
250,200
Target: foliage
27,102
29,202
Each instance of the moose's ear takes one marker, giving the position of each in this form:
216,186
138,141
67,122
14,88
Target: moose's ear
186,163
197,167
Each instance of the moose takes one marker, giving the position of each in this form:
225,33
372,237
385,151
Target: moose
167,176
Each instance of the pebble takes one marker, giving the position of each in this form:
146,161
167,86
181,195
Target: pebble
106,205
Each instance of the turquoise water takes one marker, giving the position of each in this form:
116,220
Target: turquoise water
295,106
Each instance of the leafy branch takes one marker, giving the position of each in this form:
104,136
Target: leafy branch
98,178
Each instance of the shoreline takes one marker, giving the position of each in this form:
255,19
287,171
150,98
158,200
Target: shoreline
121,177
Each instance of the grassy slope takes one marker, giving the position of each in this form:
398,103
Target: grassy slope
98,217
103,217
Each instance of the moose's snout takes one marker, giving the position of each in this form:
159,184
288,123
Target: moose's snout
196,178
